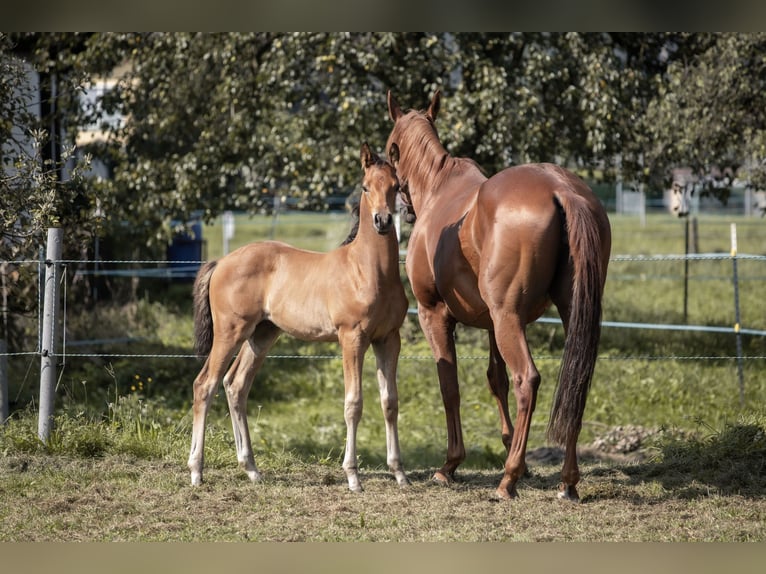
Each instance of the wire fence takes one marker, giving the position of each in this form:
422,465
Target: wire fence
156,269
53,286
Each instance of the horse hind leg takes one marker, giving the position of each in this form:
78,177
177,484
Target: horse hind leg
497,379
237,383
570,472
526,381
387,355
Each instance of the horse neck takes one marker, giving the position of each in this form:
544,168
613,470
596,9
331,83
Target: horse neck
423,167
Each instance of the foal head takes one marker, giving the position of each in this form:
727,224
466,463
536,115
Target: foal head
379,189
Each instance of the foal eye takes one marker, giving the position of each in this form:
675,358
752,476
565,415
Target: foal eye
365,189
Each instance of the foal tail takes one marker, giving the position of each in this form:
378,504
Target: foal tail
203,318
589,239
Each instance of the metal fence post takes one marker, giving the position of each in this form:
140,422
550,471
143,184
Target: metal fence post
738,335
49,340
3,382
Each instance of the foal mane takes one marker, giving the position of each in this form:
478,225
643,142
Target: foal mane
355,228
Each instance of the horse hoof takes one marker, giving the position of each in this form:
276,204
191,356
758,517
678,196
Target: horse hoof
196,478
357,488
442,479
502,493
569,493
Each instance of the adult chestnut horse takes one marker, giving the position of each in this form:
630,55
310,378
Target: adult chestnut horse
494,253
352,295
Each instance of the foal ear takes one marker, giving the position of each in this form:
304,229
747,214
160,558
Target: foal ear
368,156
394,111
433,107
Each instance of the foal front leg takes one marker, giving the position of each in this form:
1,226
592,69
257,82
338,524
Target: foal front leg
387,357
353,348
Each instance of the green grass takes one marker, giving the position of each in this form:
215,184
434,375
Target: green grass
122,431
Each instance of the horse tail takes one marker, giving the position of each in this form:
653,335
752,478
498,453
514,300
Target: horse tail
203,318
589,240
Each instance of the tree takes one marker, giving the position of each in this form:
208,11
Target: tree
42,183
710,113
229,121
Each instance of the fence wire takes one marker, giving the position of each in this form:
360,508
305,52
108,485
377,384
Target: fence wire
162,270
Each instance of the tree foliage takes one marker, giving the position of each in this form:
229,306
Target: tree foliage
710,111
229,121
42,183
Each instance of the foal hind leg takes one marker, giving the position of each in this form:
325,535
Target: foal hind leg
387,355
497,377
205,386
439,330
237,383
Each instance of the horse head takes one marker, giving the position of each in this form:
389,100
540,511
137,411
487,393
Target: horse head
411,130
380,187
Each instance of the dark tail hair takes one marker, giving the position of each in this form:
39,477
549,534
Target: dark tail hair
203,318
584,329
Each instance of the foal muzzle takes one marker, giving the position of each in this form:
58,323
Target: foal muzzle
383,222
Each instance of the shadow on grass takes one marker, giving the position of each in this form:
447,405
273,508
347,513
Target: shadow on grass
732,462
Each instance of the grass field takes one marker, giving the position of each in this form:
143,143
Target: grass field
669,451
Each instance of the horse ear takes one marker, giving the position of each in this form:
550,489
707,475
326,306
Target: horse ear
394,111
368,157
433,107
393,154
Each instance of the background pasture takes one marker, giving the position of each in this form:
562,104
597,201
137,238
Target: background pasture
669,453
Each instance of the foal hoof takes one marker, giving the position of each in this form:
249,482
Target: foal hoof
401,479
254,475
568,493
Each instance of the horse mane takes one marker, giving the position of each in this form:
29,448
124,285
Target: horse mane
355,227
423,154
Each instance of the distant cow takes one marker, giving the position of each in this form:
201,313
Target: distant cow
759,202
681,198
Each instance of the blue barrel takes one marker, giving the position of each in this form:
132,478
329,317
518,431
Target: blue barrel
185,253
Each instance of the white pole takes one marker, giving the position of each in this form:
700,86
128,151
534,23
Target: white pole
50,334
227,220
3,382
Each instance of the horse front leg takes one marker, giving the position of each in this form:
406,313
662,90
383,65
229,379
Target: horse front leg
387,357
353,348
439,329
